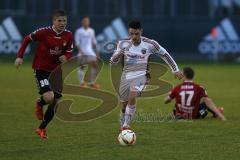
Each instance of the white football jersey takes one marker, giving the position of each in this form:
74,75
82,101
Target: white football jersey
136,58
85,38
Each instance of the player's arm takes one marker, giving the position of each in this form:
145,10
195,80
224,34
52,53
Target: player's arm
19,59
167,99
170,96
68,53
94,44
34,36
118,53
159,50
77,39
213,107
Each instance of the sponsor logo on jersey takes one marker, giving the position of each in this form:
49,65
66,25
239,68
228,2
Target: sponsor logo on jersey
135,56
144,51
55,51
64,43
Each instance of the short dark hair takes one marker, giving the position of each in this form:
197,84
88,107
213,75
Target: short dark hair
58,13
188,72
85,16
135,24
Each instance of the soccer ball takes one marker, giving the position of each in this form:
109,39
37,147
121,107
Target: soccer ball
127,137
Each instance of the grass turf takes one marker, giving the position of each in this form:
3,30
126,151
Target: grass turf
201,139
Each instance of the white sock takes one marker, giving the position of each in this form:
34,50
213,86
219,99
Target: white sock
80,73
130,110
93,75
122,118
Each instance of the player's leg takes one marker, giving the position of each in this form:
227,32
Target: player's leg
81,75
45,92
51,98
122,113
130,108
48,97
94,70
124,89
49,114
80,71
203,111
203,105
136,87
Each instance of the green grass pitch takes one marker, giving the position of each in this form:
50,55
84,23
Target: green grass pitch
201,139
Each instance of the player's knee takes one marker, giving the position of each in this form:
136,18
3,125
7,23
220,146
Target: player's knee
48,97
124,105
81,67
94,65
132,100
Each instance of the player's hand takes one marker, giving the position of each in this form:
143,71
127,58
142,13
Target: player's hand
167,100
116,56
18,62
178,74
63,59
98,55
122,51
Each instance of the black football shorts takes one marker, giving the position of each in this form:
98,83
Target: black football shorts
46,83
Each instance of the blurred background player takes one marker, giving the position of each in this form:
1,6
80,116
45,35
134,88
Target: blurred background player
87,51
136,51
192,101
54,47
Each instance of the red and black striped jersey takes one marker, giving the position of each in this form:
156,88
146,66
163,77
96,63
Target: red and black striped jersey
51,46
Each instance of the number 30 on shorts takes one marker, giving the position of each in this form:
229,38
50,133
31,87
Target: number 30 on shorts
44,82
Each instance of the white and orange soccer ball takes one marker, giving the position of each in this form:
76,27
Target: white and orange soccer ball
127,137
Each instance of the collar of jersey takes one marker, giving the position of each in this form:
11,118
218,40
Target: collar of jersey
186,81
56,31
138,44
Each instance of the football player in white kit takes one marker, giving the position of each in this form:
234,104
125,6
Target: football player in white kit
136,51
87,51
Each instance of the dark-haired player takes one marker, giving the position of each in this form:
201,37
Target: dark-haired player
192,101
136,51
54,47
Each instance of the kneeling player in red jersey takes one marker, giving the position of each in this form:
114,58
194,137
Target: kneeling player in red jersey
54,47
192,101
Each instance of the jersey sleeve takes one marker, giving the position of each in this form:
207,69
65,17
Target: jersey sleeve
161,52
173,93
156,48
23,46
94,41
38,35
114,56
203,92
77,37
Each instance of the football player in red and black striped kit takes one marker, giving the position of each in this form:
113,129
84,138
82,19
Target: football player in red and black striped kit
192,101
55,45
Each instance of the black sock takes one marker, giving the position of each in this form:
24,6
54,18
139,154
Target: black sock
41,102
211,111
48,116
